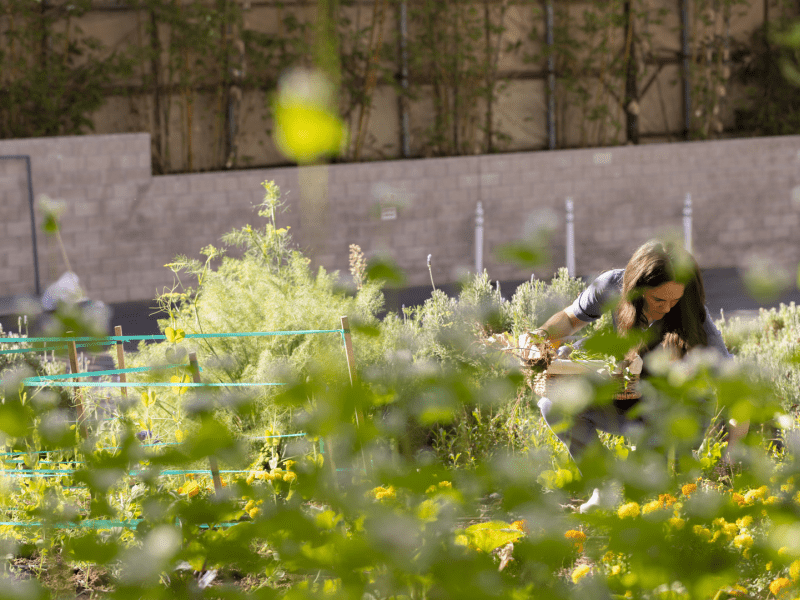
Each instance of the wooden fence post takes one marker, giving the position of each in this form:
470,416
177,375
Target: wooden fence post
121,360
73,365
212,460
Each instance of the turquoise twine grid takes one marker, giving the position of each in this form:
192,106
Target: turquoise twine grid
97,524
126,338
157,444
50,348
53,380
56,380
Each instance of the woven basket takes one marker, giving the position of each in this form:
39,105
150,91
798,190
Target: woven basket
542,377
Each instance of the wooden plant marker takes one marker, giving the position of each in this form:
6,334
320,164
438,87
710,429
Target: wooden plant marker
73,365
212,460
123,378
351,368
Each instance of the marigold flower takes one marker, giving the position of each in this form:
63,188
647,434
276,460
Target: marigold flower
289,477
744,522
521,525
677,523
738,498
730,530
629,510
577,538
382,493
688,489
736,590
757,494
779,585
667,500
253,512
616,570
743,541
794,570
771,500
575,535
650,507
580,572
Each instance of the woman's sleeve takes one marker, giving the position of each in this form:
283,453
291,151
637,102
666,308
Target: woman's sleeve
595,299
715,336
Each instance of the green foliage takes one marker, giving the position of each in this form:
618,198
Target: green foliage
770,341
353,509
771,80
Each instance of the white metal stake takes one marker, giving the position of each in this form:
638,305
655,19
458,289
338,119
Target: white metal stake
570,206
479,238
687,223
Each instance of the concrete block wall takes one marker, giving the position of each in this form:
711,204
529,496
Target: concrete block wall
121,224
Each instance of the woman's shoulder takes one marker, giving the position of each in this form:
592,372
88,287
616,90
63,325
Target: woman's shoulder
611,279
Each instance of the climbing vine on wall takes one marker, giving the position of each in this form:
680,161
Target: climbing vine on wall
52,75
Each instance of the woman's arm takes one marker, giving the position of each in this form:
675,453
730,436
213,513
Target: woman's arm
562,324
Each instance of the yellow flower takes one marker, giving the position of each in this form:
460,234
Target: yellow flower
577,538
520,526
650,507
629,510
667,500
771,500
779,585
575,535
736,590
702,532
289,477
730,530
253,512
738,498
688,489
744,522
580,572
382,493
250,504
794,570
743,541
756,494
768,566
616,570
677,523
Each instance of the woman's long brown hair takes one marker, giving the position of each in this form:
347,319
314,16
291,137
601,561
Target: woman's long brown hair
653,264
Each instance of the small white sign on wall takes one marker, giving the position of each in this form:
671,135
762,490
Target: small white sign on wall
388,213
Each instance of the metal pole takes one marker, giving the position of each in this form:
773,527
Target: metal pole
405,128
570,206
479,238
687,223
27,160
551,79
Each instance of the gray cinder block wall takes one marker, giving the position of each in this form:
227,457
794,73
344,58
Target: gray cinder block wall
121,224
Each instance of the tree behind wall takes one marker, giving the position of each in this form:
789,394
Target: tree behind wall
52,76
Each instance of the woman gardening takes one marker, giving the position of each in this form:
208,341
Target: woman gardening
658,295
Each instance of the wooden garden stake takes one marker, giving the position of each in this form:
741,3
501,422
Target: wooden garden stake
73,365
121,360
212,460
